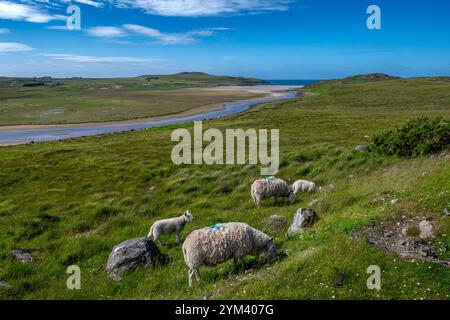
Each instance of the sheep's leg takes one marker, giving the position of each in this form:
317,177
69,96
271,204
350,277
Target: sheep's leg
156,237
178,237
234,270
242,262
197,275
191,274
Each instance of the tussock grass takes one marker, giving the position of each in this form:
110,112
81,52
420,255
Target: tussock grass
104,190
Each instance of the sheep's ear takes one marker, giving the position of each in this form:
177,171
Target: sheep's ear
271,239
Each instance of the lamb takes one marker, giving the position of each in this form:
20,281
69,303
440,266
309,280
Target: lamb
221,242
304,186
170,226
271,187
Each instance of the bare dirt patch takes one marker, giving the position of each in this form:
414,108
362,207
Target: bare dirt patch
406,239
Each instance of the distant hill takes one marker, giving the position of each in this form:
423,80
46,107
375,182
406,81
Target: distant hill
371,76
360,78
205,77
173,81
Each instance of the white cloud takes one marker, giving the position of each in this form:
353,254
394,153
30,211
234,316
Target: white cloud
99,59
90,3
4,31
196,8
164,38
188,37
16,11
36,11
14,47
106,32
58,28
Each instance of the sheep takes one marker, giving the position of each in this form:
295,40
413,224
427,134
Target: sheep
304,186
170,226
216,244
271,187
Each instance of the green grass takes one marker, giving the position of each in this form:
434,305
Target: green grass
97,100
104,185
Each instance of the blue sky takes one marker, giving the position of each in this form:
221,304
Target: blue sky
270,39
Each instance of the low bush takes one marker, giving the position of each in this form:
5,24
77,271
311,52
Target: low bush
419,136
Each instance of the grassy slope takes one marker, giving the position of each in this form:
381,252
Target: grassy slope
88,100
103,184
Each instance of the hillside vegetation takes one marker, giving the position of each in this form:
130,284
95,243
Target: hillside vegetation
70,202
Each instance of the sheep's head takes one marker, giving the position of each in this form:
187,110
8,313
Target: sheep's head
188,216
270,250
291,197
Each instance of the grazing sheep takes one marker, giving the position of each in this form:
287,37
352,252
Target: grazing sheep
170,226
271,187
304,186
221,242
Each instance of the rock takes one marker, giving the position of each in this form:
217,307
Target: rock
426,250
5,285
133,254
394,201
340,279
446,213
405,230
23,256
388,234
362,148
304,217
331,187
401,242
426,229
276,223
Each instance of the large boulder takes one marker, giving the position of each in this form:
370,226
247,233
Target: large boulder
304,217
133,254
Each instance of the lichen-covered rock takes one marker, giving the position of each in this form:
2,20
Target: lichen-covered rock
362,148
304,217
23,256
133,254
5,285
426,229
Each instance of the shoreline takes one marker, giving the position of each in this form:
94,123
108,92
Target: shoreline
22,134
269,90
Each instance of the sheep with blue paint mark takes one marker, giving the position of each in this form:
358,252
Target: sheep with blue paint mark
271,187
219,243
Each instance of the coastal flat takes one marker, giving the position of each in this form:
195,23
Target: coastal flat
71,101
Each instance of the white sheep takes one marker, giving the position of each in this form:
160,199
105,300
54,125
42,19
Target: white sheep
271,187
304,186
221,242
170,226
